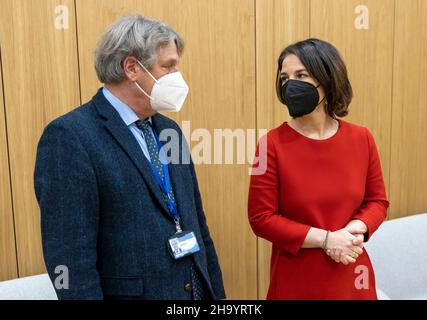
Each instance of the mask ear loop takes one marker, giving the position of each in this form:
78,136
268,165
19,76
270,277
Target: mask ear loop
149,73
143,91
322,98
136,83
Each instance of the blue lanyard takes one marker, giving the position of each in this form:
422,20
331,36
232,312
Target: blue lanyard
165,185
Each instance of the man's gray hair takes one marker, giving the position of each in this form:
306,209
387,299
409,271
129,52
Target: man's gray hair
136,36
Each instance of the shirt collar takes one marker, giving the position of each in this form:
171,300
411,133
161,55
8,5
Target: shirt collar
126,113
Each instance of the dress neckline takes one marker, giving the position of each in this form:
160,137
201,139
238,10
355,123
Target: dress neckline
334,136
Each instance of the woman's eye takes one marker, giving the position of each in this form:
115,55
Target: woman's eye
301,76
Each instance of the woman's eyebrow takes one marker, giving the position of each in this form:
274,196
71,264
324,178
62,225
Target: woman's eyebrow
299,70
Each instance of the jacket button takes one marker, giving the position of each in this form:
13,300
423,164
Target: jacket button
188,287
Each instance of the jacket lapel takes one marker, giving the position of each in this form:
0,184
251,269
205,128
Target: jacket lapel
118,129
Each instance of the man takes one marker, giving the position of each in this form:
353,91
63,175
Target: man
124,222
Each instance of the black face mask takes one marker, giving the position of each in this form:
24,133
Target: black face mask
300,97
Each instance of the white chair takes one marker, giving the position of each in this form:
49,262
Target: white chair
29,288
398,251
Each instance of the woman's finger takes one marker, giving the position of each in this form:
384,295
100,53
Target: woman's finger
343,258
357,250
358,241
337,255
350,259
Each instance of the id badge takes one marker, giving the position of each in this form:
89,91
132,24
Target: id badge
183,244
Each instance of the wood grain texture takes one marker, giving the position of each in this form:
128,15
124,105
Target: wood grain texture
278,24
8,262
40,83
408,181
218,64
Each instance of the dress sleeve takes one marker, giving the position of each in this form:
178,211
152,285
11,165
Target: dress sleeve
373,209
263,202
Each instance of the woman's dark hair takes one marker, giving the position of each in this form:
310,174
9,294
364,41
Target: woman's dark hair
324,63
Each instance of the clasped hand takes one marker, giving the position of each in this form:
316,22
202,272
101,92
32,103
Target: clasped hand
346,245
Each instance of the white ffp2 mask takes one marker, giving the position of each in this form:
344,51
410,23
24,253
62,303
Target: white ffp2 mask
168,93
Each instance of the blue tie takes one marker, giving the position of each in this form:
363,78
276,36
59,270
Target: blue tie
153,151
144,126
198,292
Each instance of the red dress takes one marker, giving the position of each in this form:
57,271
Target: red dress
323,184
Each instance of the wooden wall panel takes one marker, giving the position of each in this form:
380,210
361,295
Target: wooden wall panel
218,64
8,262
408,181
278,24
40,83
368,54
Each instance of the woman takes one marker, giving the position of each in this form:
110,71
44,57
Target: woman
322,193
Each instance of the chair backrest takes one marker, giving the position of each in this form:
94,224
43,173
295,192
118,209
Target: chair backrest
29,288
398,251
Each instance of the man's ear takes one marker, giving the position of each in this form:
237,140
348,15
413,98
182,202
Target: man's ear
131,67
